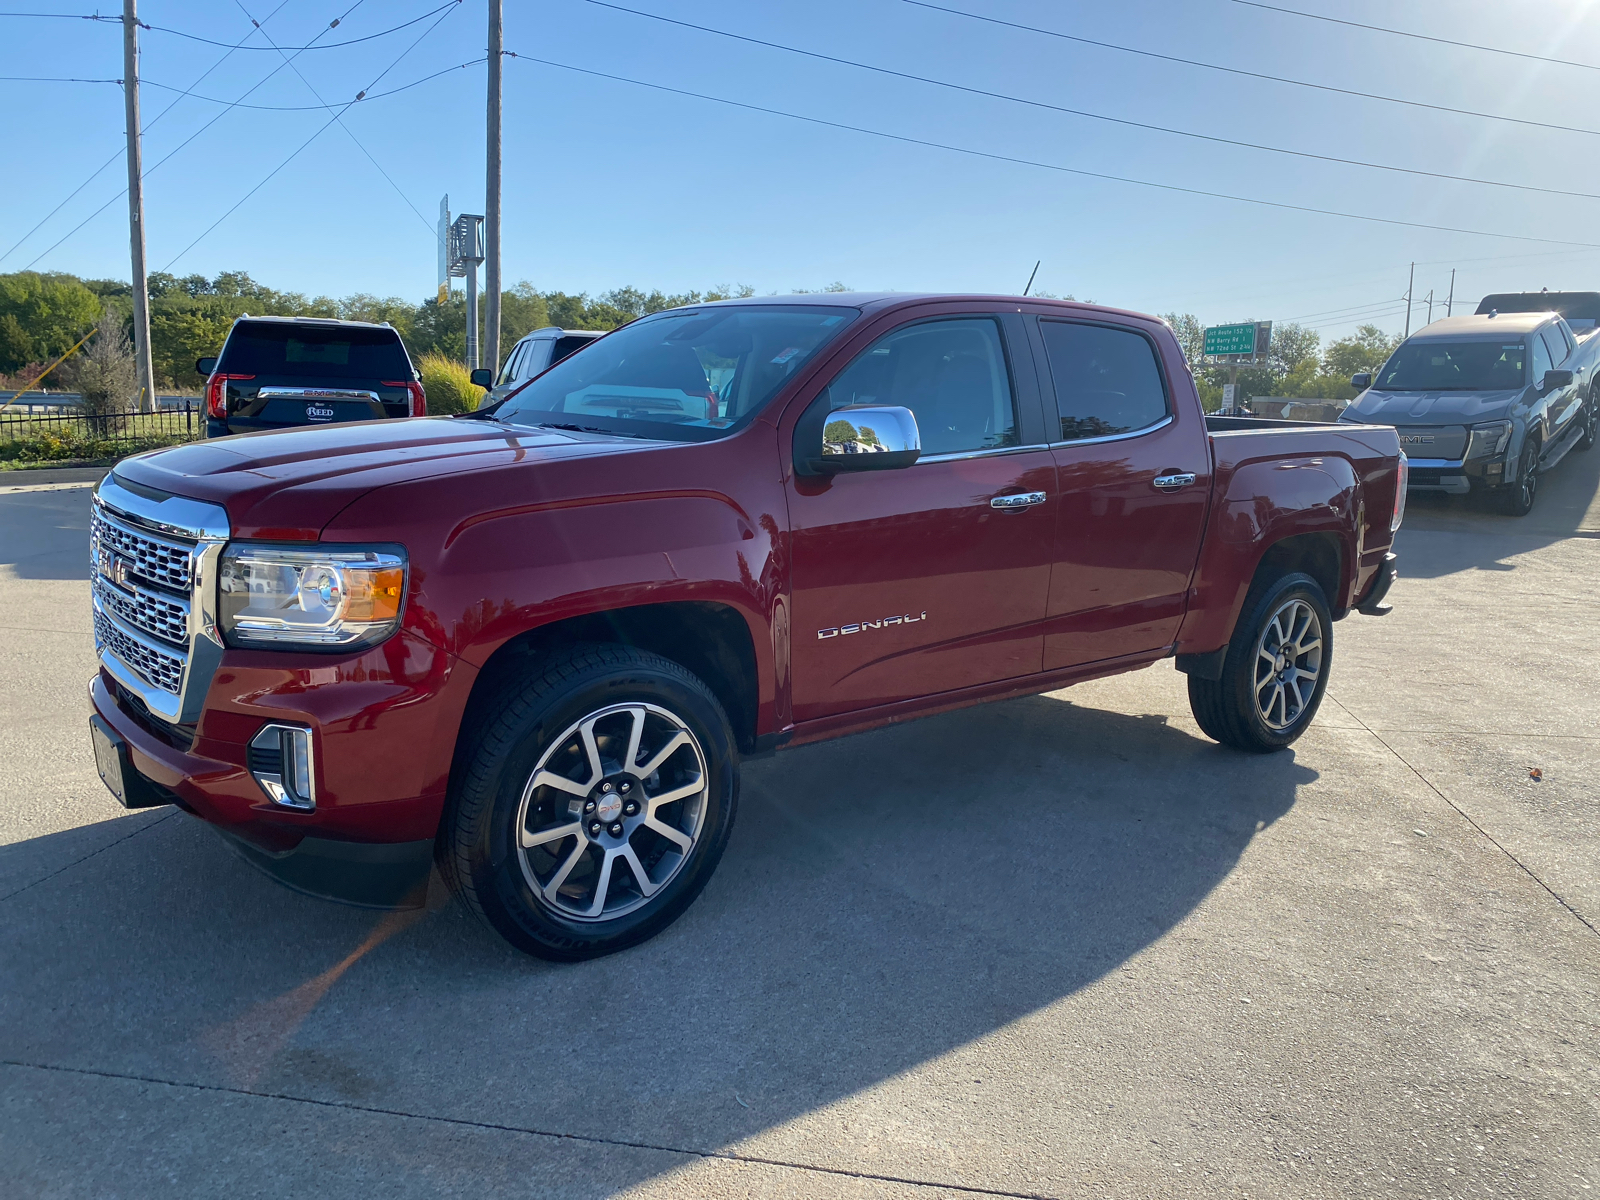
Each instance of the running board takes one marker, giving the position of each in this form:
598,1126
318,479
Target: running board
1563,447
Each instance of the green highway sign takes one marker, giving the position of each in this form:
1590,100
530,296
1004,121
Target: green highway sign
1231,339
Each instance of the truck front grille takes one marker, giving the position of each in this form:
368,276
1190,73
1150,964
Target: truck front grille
157,667
1433,441
166,563
162,616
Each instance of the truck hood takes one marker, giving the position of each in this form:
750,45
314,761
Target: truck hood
1373,407
288,485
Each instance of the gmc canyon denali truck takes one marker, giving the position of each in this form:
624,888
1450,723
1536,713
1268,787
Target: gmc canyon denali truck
532,644
1486,403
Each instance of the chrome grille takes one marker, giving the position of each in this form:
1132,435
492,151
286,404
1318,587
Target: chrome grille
162,616
167,563
159,668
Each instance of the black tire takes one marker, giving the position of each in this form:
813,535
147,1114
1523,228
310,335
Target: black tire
1520,492
1227,708
495,809
1591,419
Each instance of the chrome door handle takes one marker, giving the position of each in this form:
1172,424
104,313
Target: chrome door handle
1017,501
1171,483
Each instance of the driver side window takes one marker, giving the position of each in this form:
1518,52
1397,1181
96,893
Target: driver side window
951,374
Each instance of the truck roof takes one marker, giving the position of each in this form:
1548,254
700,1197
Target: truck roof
334,321
878,301
1485,326
1585,305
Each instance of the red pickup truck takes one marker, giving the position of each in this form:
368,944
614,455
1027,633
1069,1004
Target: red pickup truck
532,644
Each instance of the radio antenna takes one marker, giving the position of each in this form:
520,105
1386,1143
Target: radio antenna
1030,277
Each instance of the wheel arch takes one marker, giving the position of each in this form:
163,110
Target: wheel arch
709,638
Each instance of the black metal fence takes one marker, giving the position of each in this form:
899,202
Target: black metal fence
39,433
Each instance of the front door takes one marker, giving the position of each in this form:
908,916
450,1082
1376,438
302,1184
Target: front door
1134,477
911,582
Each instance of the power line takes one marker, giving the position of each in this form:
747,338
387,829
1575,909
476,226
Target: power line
51,79
1028,162
1096,116
404,87
120,151
168,155
194,37
1421,37
1195,62
320,131
339,116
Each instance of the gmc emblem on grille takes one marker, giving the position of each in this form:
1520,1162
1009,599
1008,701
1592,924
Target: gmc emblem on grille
113,567
1416,439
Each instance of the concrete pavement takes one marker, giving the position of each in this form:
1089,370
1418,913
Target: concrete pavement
1059,946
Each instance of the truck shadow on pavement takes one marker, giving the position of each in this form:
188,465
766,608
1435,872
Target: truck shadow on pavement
885,899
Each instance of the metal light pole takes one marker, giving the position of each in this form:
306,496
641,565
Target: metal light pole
1410,283
491,202
1451,298
465,253
141,283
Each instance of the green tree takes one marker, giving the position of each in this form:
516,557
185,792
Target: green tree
1365,350
47,314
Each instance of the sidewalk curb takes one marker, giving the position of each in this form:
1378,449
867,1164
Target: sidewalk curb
27,478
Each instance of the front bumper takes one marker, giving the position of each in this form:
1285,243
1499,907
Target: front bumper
1456,478
384,724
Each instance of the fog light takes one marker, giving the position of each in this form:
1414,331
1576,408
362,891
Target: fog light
281,762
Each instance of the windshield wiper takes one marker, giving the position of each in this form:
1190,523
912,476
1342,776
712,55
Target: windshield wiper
584,429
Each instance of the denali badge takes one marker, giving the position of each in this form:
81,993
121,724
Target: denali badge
1416,439
319,412
880,623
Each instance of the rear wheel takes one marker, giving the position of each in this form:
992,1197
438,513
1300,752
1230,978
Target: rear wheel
595,806
1521,491
1275,671
1591,419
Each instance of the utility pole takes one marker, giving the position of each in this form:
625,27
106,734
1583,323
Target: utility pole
491,202
1410,283
141,283
1451,299
1430,306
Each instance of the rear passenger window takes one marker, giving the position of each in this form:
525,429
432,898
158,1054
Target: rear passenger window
951,375
1557,347
1106,380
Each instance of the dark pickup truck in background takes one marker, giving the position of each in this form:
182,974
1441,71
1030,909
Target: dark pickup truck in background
286,372
533,643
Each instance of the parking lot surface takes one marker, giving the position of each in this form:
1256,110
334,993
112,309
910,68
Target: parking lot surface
1058,946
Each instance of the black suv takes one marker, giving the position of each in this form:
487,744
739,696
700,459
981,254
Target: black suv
284,372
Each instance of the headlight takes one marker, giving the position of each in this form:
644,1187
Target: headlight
1488,439
328,597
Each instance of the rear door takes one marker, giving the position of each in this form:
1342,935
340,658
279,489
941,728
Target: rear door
908,583
283,374
1133,471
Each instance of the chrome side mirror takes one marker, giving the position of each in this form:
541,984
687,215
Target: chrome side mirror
863,438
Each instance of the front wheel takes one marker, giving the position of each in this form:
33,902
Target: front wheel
594,806
1275,671
1521,491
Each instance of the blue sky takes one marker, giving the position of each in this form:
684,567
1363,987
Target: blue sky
608,183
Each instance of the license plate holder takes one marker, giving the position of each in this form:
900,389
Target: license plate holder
131,789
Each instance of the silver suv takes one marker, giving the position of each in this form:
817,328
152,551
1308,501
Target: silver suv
537,351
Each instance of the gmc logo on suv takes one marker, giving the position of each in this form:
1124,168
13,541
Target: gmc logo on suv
1416,439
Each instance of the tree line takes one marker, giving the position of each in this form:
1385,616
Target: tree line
43,315
1297,364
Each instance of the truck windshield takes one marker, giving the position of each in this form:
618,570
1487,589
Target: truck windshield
1440,366
687,375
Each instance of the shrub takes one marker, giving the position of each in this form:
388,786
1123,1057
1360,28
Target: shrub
104,375
448,385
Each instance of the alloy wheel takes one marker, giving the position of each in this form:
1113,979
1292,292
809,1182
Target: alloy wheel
612,811
1288,664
